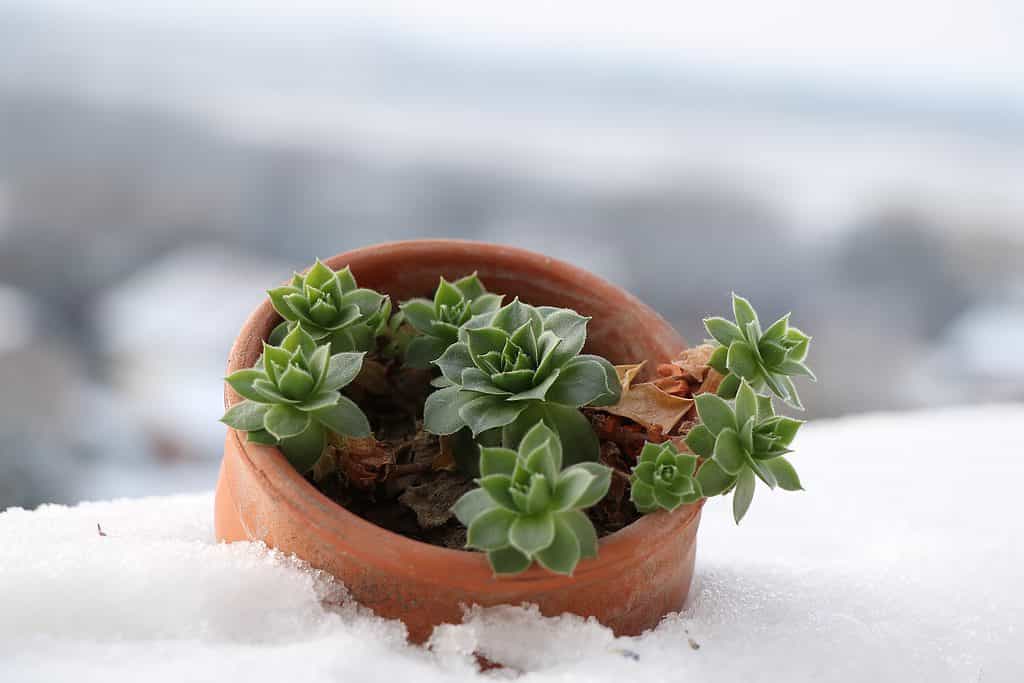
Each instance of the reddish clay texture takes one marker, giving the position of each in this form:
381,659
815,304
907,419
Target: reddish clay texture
641,573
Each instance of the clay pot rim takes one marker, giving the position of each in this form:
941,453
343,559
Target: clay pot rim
293,489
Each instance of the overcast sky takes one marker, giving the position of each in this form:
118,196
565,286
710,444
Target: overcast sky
942,46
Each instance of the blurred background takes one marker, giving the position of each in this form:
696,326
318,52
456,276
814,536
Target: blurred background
162,164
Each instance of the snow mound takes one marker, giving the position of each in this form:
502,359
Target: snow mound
901,562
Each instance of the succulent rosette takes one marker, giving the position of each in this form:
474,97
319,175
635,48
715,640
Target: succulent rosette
292,398
764,359
518,366
528,508
438,321
742,443
663,478
330,306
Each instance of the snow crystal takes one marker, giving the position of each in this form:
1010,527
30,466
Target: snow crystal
902,561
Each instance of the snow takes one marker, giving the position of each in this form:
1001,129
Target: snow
902,561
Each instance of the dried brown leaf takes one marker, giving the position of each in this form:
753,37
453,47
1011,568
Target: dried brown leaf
694,361
627,373
651,407
672,380
363,461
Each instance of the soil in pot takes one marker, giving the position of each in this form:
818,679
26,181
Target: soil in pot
405,480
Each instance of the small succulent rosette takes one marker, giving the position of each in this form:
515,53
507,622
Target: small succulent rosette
518,366
331,306
764,359
438,321
742,444
529,509
663,478
292,398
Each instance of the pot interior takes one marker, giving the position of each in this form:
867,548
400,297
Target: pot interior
622,329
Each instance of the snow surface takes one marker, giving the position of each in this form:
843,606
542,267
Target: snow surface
902,562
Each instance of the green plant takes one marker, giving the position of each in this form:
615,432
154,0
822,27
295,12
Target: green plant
742,443
528,508
330,306
438,321
395,336
663,478
769,358
292,398
515,367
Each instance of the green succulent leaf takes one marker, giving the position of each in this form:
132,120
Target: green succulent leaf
786,428
285,422
497,461
454,361
529,534
583,529
742,311
743,360
743,495
342,369
485,412
344,417
499,488
261,436
321,399
746,404
304,450
269,393
598,488
563,553
246,416
728,387
763,472
419,313
785,474
666,499
242,381
778,329
422,351
713,479
539,392
718,358
296,383
642,495
541,436
542,460
579,443
471,505
538,496
701,441
723,331
489,530
571,488
715,413
580,382
442,408
506,561
772,353
644,472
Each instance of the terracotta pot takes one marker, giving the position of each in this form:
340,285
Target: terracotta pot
641,573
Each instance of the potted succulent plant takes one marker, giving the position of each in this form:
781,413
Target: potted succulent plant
470,425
